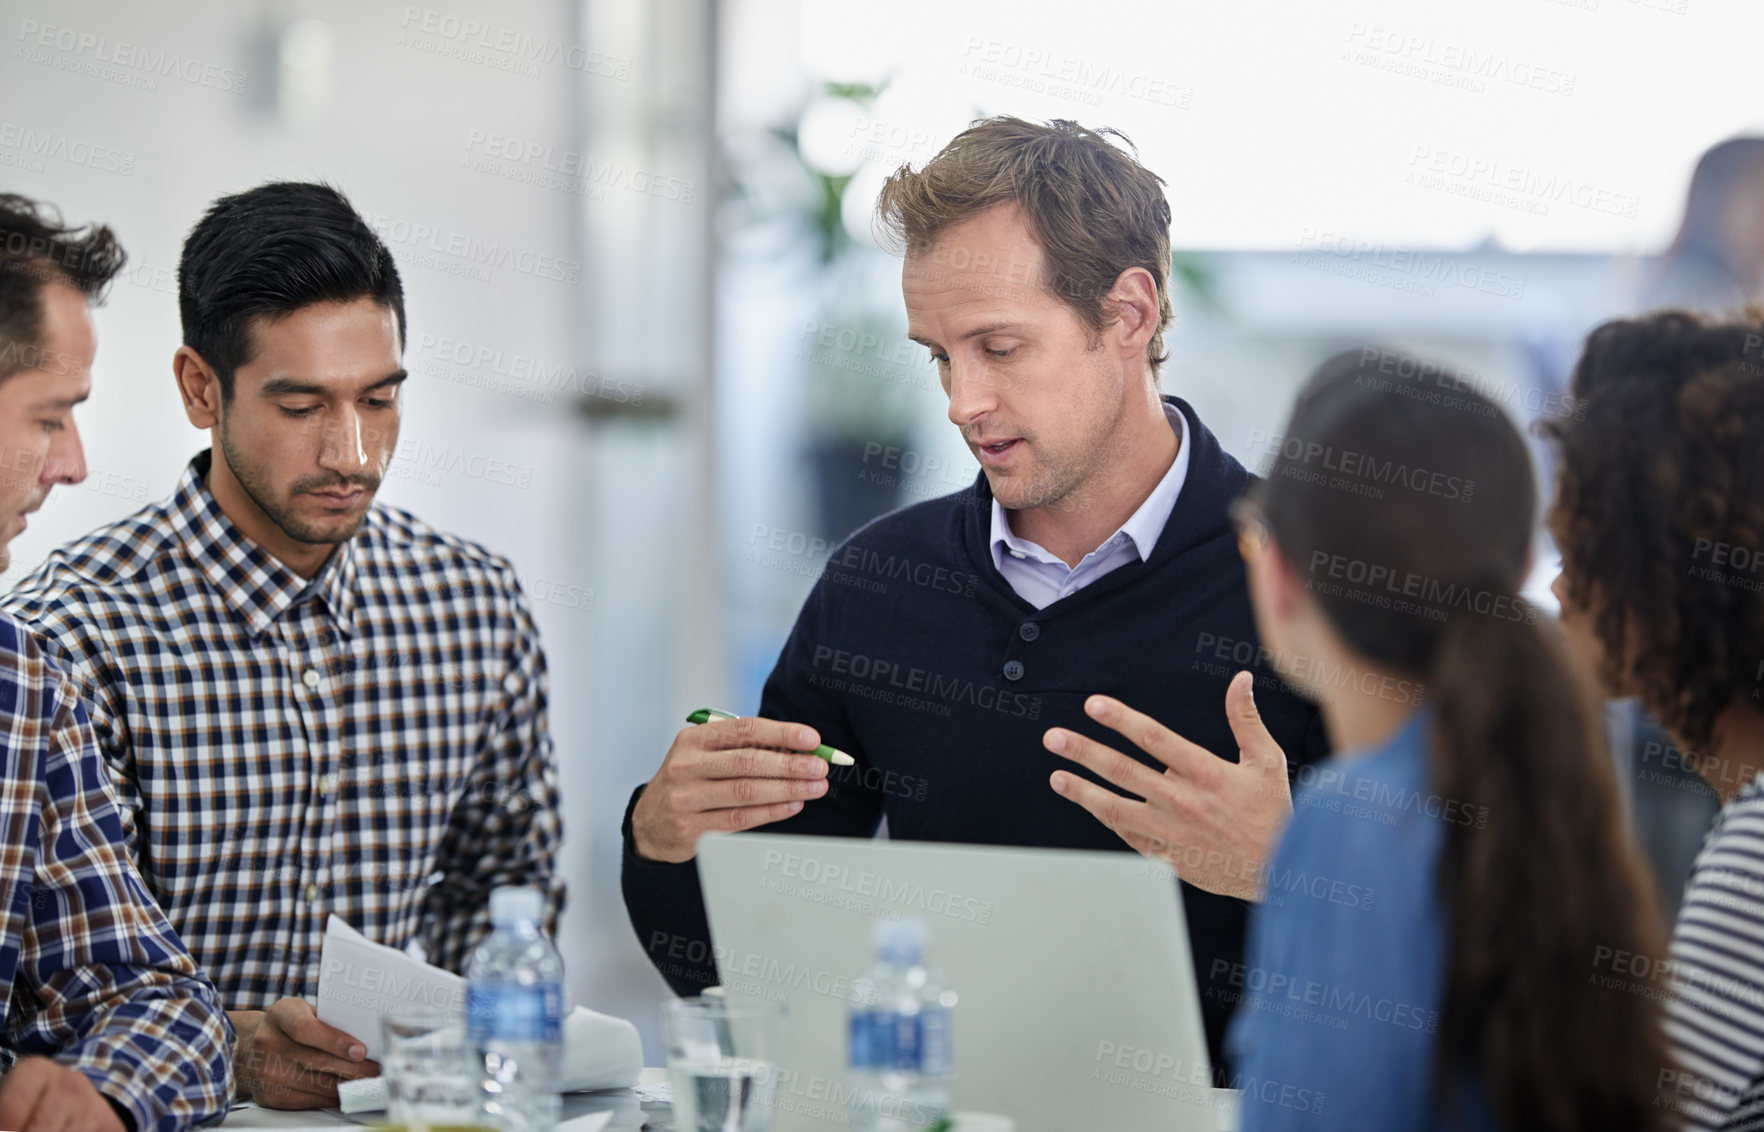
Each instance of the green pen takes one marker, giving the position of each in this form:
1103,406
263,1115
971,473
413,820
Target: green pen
832,754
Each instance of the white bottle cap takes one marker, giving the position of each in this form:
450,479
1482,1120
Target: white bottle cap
513,905
900,941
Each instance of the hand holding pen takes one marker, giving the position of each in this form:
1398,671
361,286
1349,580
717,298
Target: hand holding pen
832,754
726,774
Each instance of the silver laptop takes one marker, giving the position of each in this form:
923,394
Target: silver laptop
1077,1002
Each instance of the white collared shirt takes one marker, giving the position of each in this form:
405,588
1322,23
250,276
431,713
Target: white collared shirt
1040,578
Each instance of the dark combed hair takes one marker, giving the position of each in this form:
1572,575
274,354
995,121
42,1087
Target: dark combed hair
1659,511
36,247
1440,499
266,253
1094,209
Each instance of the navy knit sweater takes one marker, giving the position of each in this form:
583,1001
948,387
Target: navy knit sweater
915,655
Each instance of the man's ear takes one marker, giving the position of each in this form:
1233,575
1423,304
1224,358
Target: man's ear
1133,301
200,387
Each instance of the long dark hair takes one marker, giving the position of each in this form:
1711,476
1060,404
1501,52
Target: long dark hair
1420,488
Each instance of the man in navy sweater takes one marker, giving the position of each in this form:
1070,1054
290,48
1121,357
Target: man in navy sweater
964,648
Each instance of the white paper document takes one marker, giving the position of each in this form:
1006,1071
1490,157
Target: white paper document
361,981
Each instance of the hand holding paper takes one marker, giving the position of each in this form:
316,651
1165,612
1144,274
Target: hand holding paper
361,981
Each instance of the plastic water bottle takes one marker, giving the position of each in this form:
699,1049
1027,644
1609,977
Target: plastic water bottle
514,1016
898,1062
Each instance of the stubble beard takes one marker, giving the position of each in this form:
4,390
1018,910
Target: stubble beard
284,517
1054,482
1048,488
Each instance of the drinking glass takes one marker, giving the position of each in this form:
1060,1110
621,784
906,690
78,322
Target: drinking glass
423,1055
720,1062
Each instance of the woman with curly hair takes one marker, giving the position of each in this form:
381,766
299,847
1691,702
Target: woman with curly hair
1659,516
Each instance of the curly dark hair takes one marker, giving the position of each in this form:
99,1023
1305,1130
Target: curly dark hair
1659,513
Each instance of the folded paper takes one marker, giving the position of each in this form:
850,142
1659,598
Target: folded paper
361,982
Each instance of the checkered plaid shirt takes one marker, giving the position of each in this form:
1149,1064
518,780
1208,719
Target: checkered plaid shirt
92,973
372,743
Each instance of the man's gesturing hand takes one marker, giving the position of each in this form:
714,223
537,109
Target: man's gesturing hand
727,775
39,1095
287,1058
1216,822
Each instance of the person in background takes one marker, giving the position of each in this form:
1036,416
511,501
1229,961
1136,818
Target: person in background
1715,264
311,703
1659,516
1093,553
1476,865
109,1023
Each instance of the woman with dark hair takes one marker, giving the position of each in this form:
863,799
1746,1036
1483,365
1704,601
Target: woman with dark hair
1429,951
1714,266
1659,515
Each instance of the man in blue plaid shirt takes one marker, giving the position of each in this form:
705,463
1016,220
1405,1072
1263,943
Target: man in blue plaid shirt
311,703
109,1024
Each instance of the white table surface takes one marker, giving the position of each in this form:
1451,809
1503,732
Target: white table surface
328,1120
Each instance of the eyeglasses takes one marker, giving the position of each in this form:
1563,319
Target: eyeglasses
1252,528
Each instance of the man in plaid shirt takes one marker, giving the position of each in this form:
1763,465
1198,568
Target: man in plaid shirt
310,703
109,1024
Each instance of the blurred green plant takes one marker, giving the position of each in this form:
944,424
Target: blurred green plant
825,218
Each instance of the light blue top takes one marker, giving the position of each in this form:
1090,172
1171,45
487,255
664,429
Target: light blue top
1343,977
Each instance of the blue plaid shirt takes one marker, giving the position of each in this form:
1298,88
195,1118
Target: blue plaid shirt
93,974
371,743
